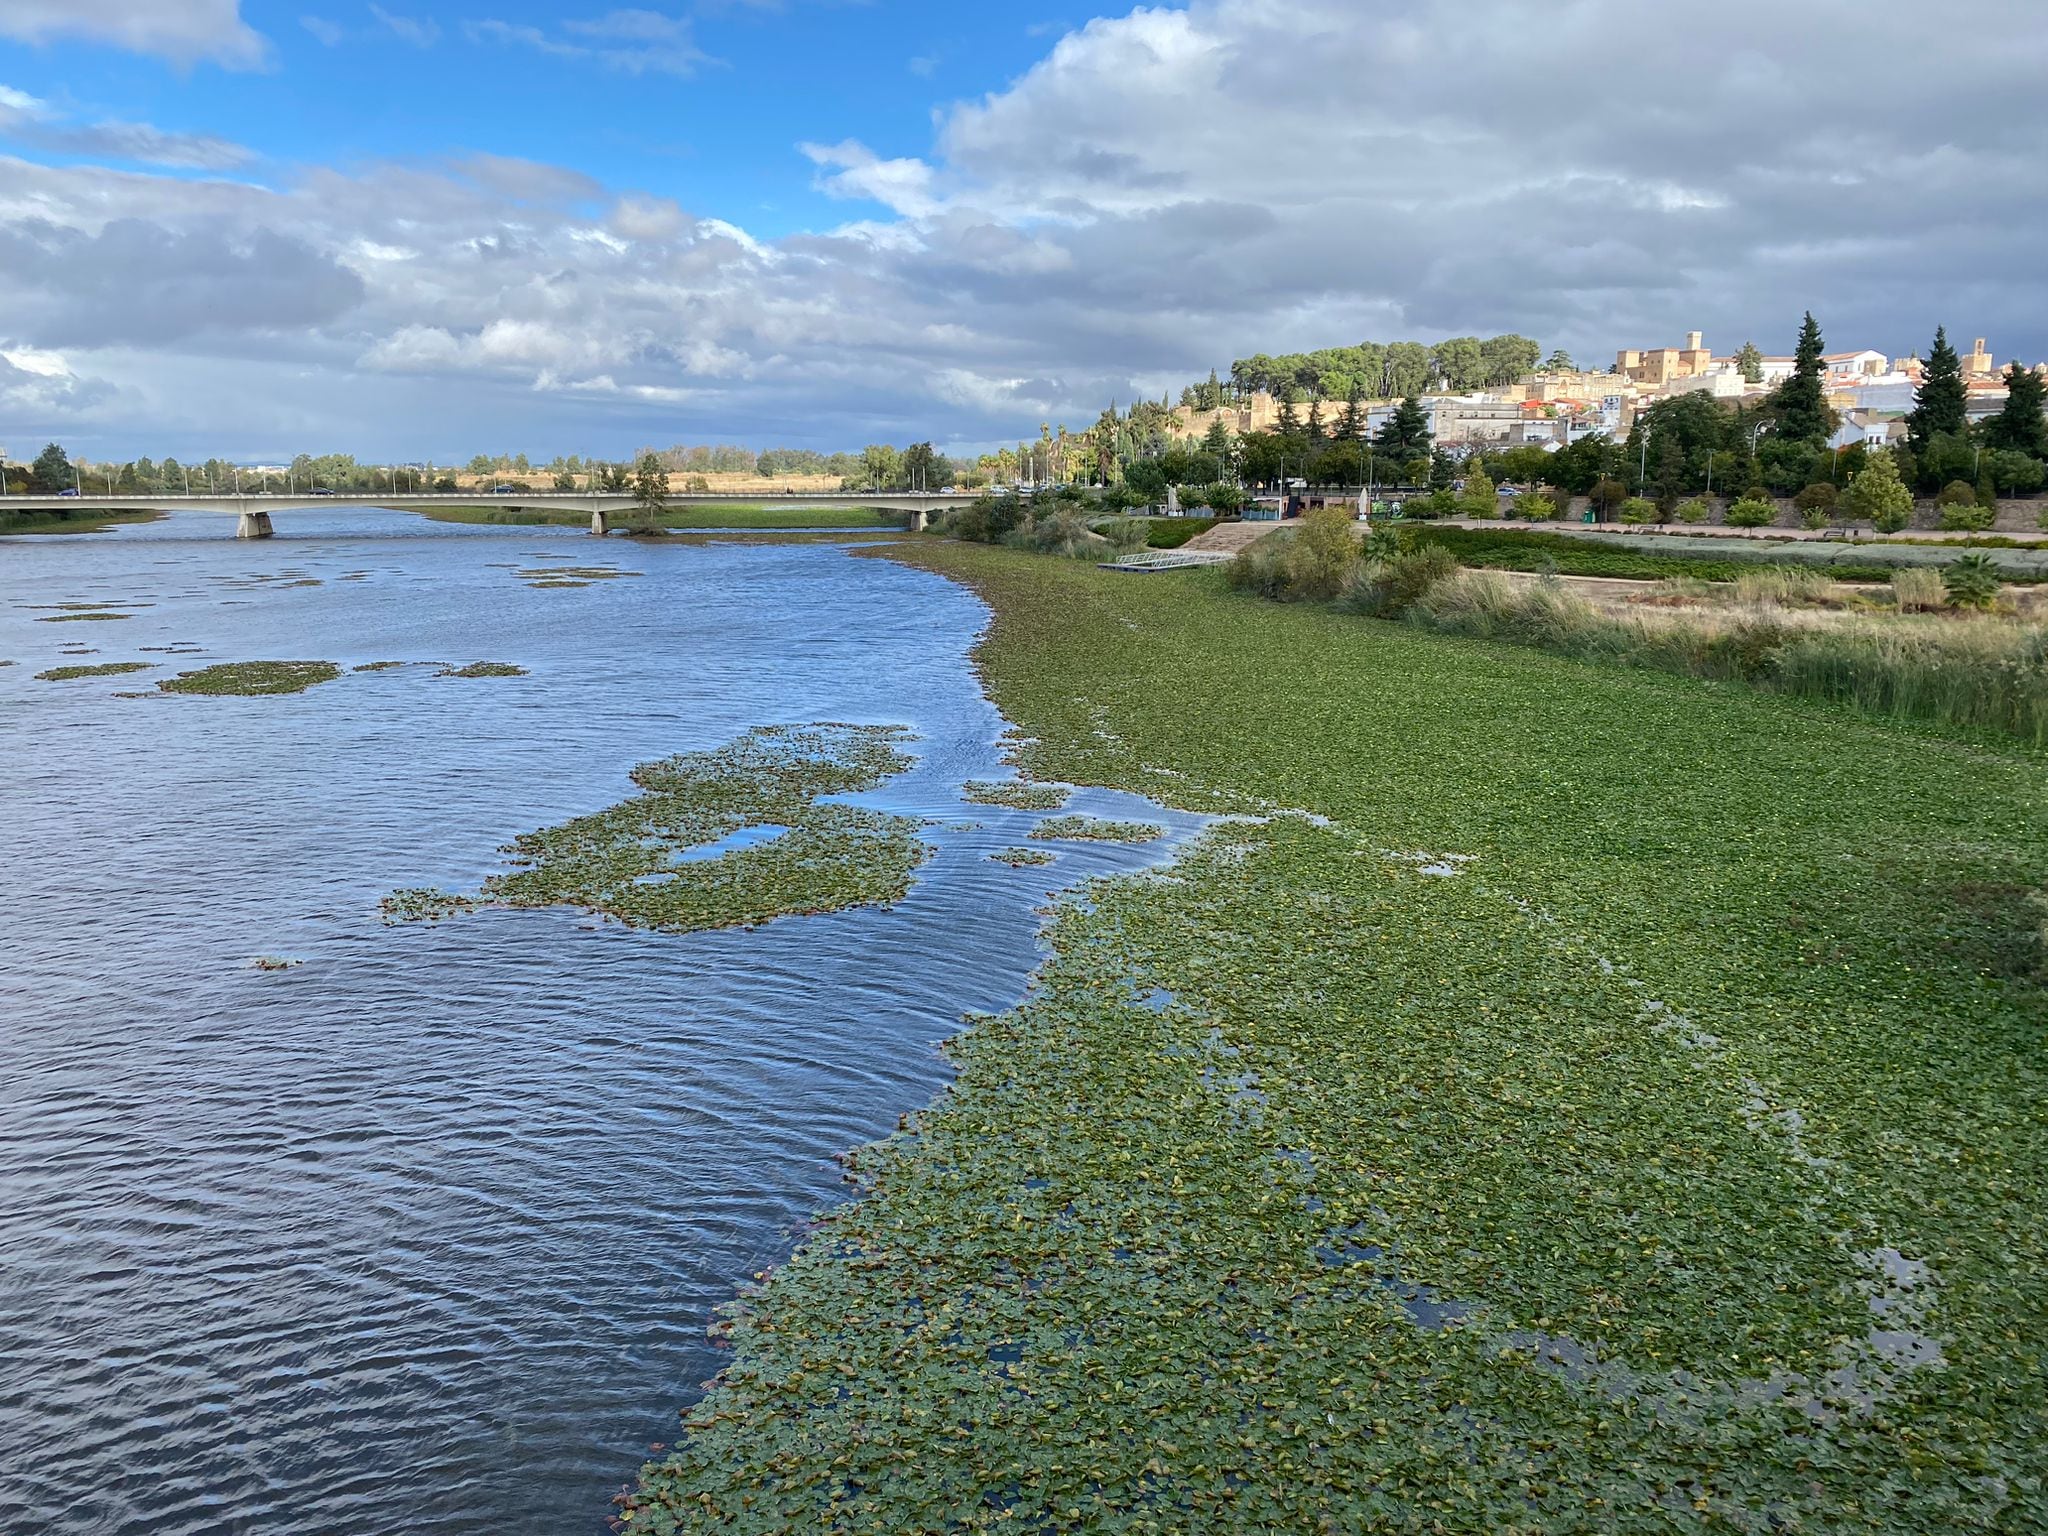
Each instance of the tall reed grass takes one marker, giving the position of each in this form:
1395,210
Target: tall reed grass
1986,673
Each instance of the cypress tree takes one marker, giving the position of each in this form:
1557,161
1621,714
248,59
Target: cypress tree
1941,403
1406,433
1801,403
1349,420
2020,427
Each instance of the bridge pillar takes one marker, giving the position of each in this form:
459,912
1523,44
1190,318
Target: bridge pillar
600,524
254,525
917,520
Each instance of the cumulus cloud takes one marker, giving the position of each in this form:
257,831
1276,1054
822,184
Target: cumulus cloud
184,31
1161,192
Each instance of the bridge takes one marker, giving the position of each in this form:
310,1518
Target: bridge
607,510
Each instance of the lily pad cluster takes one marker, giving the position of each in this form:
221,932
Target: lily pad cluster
253,678
1680,1165
1024,858
99,669
1016,794
1096,829
644,861
483,669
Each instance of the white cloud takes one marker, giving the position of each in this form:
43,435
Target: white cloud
37,122
1163,191
420,32
184,31
634,42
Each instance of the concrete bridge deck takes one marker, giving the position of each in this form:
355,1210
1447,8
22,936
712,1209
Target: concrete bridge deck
606,509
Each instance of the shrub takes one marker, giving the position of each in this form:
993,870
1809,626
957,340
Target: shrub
1957,493
1877,496
1816,505
1428,508
1260,568
1324,553
1752,512
1387,590
1695,511
1639,509
1172,532
1917,589
1224,499
1793,586
1538,507
1126,533
1972,581
1058,532
1606,495
1965,516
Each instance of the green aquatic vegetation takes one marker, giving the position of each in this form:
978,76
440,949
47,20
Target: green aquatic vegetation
543,586
1024,858
1670,1158
274,963
655,860
93,617
580,574
1096,829
101,669
253,678
379,666
1017,794
425,904
483,669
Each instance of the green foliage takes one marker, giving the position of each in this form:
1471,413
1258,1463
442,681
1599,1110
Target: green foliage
1816,504
1387,589
1606,495
644,860
1876,496
483,669
1479,498
1749,362
1972,581
1752,512
1638,509
1961,511
1941,399
1696,511
1545,1195
1016,794
99,669
1405,434
1799,405
52,471
650,486
1172,532
2020,428
253,679
2014,473
1094,829
1024,858
1324,552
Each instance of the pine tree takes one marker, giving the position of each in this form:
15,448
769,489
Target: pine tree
1800,403
1287,424
2020,427
1941,403
1406,434
1749,362
1350,420
1315,421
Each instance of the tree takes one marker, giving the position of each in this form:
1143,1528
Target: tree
1876,496
650,487
1941,402
1216,441
1815,504
2020,426
1606,495
1801,404
1749,362
1560,361
1752,512
1460,362
1288,424
52,471
1325,550
1480,499
925,468
1405,434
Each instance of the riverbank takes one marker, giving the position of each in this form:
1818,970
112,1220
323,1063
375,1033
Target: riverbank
739,517
1620,1105
65,522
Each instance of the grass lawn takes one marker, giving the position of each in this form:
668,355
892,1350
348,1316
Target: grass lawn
1622,1109
797,516
65,522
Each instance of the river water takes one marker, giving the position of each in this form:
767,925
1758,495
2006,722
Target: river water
423,1234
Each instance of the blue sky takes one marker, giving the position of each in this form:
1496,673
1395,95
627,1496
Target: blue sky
429,228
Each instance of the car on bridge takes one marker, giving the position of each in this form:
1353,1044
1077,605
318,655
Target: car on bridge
72,492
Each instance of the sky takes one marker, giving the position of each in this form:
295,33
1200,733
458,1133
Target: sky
425,229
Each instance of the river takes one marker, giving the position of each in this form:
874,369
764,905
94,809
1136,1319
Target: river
423,1233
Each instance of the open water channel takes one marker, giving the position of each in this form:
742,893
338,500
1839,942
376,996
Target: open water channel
423,1233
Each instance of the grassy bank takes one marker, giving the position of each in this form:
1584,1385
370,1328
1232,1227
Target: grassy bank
1624,1113
1652,557
67,522
681,517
